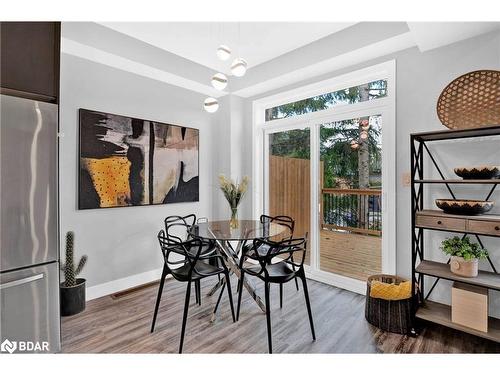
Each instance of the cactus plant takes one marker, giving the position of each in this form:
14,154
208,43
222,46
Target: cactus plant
70,271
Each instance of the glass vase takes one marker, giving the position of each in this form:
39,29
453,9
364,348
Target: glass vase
233,223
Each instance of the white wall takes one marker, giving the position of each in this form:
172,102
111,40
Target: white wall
121,242
420,78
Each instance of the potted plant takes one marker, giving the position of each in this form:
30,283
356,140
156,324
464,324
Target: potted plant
72,290
233,192
464,255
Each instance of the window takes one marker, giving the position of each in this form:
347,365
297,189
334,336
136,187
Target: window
362,93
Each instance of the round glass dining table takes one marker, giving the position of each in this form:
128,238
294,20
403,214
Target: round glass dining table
243,230
225,233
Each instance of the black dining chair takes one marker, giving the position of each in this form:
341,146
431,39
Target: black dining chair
191,267
177,229
287,222
281,272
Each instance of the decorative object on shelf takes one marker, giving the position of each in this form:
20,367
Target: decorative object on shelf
72,290
469,306
219,81
126,161
239,67
471,101
484,172
464,206
211,105
388,303
223,52
464,255
233,192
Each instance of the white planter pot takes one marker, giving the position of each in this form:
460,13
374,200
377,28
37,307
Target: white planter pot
462,267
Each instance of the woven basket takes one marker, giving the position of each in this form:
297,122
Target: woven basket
471,101
392,316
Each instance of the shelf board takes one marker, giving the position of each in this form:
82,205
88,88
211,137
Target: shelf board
484,279
441,314
443,135
458,181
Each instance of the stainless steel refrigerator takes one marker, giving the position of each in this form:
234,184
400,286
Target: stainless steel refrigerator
29,261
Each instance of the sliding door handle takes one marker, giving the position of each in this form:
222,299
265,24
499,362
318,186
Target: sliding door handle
25,280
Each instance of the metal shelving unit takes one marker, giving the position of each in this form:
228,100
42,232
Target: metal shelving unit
424,220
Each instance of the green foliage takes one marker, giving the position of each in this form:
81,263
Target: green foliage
459,247
69,268
376,89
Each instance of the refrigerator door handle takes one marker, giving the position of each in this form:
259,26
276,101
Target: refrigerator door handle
22,281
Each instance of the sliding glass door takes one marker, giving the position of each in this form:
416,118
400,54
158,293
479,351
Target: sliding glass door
350,197
327,174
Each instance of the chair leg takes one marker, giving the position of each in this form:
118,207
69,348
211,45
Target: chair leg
158,297
198,291
297,284
184,317
281,296
308,304
230,294
220,296
240,292
268,318
195,285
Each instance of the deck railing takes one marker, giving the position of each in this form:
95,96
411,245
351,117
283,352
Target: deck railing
352,210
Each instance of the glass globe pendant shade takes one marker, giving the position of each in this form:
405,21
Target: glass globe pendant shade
211,105
223,52
363,134
354,144
219,81
239,67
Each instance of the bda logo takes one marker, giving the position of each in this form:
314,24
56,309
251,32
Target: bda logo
8,346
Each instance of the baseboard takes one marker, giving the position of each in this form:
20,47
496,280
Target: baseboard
128,282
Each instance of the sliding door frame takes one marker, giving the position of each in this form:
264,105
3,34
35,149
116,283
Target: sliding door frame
382,106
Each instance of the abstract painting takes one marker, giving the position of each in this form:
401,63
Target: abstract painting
127,161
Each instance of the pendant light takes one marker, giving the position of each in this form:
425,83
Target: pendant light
219,81
223,52
239,67
211,105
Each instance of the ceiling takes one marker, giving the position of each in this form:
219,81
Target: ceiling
256,42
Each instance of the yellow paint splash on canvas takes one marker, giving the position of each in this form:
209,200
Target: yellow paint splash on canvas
110,177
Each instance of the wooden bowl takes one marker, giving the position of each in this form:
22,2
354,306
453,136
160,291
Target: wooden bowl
484,172
464,206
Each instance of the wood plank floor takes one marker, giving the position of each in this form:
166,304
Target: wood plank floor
122,325
350,254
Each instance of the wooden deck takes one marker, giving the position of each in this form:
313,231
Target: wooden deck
350,254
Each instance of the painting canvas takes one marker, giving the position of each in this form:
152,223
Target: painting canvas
127,161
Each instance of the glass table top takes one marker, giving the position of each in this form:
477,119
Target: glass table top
246,230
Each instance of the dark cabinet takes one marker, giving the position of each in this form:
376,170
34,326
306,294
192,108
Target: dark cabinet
29,59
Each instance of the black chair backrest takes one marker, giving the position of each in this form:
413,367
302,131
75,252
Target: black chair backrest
284,220
287,250
190,251
177,227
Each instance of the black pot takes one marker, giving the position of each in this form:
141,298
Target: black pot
72,298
